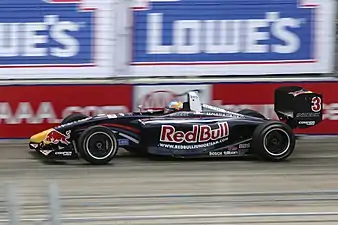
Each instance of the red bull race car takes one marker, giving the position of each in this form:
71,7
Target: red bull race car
186,129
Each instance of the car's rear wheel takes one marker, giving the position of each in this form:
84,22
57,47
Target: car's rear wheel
273,141
97,145
73,117
253,113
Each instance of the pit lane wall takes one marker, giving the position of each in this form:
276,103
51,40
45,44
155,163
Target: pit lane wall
132,38
27,109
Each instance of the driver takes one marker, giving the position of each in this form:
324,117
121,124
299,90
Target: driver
173,106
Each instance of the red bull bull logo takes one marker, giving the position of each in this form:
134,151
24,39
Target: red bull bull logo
55,137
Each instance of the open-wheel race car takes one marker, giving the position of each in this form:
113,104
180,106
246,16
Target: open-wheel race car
184,130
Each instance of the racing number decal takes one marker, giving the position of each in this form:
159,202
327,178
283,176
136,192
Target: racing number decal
316,104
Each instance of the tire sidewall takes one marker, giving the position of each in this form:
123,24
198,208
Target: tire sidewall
259,137
84,147
73,117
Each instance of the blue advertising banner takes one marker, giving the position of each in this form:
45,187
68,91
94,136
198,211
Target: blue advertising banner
175,32
46,33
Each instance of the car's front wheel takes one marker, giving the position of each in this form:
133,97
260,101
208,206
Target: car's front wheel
273,141
98,145
73,117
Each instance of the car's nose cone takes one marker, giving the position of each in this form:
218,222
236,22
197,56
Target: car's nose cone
39,137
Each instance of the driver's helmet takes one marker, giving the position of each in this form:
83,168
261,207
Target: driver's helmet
173,106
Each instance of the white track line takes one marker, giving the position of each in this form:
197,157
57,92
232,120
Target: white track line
183,216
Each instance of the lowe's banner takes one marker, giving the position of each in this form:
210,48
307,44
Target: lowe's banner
231,37
54,38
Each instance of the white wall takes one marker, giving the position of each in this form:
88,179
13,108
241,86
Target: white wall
118,38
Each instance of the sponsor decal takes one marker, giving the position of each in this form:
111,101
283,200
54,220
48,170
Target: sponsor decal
185,113
246,145
233,148
215,153
221,112
185,147
233,152
300,115
201,136
123,142
212,114
198,134
211,107
224,153
57,137
227,38
308,123
64,153
181,31
47,33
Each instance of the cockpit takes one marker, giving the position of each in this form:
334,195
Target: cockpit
192,103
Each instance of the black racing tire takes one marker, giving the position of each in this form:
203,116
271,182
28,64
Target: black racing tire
73,117
273,141
98,145
253,113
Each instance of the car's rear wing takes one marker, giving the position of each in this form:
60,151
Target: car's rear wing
298,107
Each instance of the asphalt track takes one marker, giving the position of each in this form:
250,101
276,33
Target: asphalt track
134,190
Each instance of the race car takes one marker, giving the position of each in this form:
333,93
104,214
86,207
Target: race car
184,129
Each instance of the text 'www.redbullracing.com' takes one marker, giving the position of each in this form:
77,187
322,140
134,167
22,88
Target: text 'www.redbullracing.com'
194,146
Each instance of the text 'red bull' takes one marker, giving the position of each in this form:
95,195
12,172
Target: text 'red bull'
55,137
199,133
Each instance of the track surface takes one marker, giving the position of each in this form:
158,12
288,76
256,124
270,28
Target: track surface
134,190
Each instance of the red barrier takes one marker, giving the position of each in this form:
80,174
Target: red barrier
260,96
25,110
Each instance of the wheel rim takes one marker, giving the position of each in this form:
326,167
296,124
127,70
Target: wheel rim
100,145
276,142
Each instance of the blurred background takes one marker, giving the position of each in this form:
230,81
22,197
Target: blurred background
59,57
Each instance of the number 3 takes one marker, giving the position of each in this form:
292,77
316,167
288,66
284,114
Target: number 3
316,104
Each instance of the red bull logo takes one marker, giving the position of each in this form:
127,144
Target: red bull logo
199,133
55,137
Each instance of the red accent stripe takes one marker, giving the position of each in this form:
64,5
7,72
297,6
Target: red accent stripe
66,1
122,126
47,66
222,63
